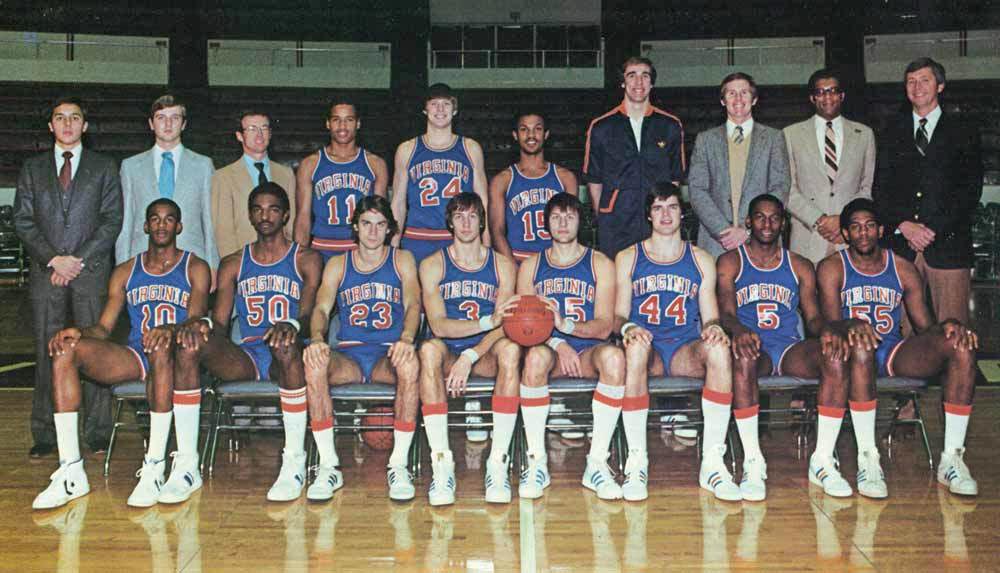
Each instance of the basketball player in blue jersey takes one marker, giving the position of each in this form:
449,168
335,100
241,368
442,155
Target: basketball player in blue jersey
159,288
467,290
331,182
272,285
430,170
519,193
577,284
761,288
378,292
667,314
868,283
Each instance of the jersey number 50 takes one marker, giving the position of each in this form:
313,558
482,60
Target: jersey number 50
429,189
275,307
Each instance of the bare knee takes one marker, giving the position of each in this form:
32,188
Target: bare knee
537,363
431,353
161,358
286,355
718,357
187,357
637,355
612,366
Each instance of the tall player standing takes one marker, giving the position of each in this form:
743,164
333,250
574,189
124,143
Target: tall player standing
519,193
272,283
160,289
578,287
431,169
669,320
467,290
331,182
378,292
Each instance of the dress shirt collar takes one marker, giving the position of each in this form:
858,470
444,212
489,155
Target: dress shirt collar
932,121
731,127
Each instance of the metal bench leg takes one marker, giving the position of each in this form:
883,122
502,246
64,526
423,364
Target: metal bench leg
207,434
219,406
918,418
114,435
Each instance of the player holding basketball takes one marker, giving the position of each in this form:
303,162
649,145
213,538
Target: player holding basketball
519,193
467,289
868,283
332,181
578,288
430,170
761,286
378,292
272,283
160,289
668,318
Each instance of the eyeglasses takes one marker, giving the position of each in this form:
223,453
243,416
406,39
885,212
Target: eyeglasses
257,130
820,92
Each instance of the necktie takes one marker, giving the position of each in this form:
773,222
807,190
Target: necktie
66,171
738,135
166,181
261,177
921,139
830,153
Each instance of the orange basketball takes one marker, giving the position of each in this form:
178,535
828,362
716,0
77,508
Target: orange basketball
531,323
377,439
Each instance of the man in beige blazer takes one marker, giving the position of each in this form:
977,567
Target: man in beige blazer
832,161
232,184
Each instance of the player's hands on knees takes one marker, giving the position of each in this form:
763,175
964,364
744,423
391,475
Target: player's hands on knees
157,338
505,310
458,376
317,355
834,345
960,336
713,334
281,335
861,333
746,345
64,340
401,352
193,334
637,335
569,361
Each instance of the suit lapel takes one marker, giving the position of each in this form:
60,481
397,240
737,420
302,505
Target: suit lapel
756,148
723,142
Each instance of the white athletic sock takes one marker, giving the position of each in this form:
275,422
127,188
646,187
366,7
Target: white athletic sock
605,405
402,438
863,418
159,431
715,409
747,424
293,416
956,422
187,410
535,410
67,437
322,431
436,426
827,430
635,417
504,420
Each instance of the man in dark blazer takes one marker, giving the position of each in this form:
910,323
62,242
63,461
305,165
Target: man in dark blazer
67,213
928,184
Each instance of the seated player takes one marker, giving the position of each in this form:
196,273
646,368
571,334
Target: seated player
868,283
669,324
272,283
761,286
467,289
160,288
378,293
577,285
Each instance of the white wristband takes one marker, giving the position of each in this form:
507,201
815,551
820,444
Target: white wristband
554,342
627,326
208,319
568,326
471,354
295,324
486,323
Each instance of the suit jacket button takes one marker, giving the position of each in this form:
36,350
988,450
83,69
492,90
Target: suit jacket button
919,194
916,217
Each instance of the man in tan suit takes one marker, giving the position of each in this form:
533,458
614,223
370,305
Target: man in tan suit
832,161
232,184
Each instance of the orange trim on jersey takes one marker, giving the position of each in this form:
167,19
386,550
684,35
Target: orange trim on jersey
605,399
535,402
586,147
748,412
958,409
435,409
831,411
338,245
505,404
187,398
634,403
320,425
402,426
724,398
611,203
863,406
427,234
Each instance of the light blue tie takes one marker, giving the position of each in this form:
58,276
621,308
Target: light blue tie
166,181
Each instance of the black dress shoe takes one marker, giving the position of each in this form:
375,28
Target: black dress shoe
41,450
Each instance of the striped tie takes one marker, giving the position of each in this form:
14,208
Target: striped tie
830,153
738,135
921,140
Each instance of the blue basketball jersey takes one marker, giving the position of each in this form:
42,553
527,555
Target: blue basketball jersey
154,300
665,295
574,287
337,190
525,210
875,298
468,294
371,303
433,178
267,294
767,301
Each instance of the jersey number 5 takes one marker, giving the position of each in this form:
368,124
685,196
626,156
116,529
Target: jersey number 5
767,316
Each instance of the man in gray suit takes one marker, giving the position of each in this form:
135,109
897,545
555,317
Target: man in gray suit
67,213
732,164
832,163
171,171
